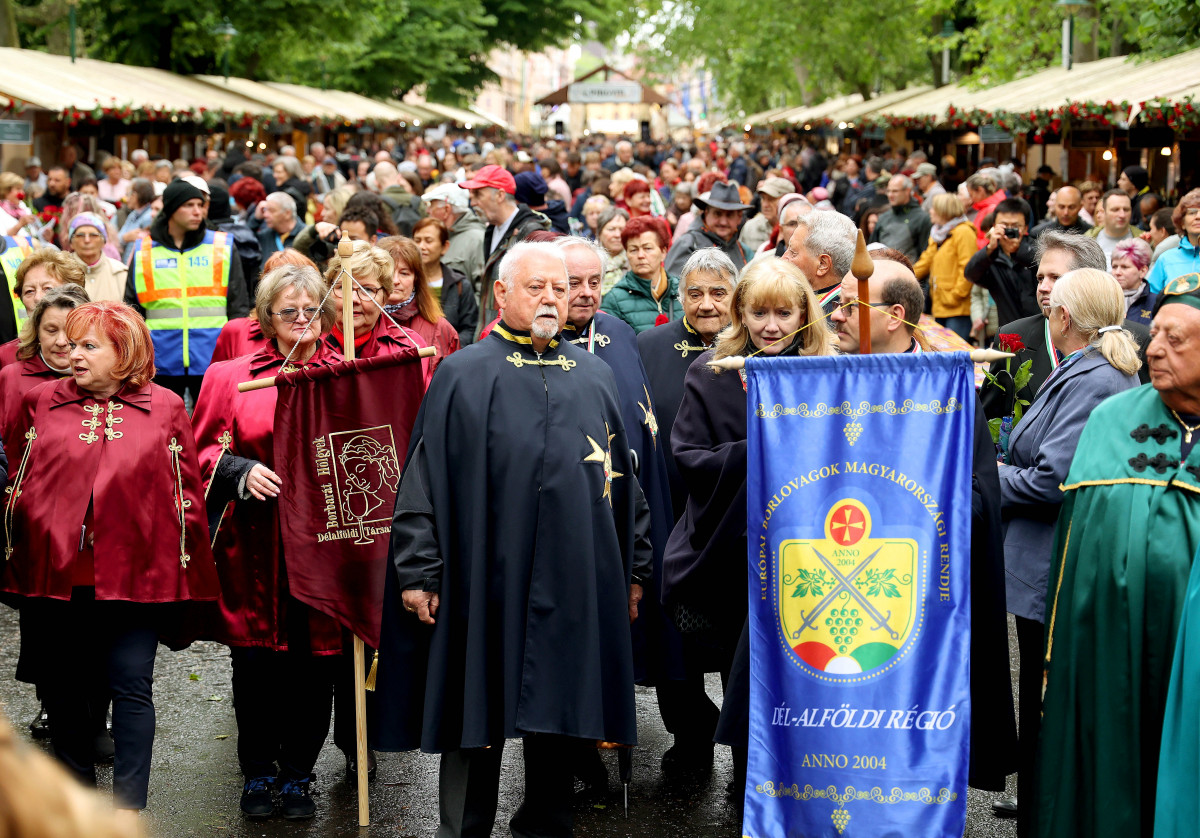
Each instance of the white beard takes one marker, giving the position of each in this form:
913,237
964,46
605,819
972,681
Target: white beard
544,332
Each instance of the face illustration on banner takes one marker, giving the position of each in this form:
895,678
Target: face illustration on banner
367,475
848,603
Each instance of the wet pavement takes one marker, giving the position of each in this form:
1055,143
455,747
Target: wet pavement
196,784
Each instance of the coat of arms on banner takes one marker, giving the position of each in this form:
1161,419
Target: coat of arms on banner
849,603
365,472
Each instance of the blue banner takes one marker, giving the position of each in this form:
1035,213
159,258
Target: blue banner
859,524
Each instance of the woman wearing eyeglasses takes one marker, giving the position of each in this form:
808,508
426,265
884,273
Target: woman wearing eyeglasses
284,654
105,277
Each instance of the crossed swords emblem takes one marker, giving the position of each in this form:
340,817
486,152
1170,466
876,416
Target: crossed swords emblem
845,583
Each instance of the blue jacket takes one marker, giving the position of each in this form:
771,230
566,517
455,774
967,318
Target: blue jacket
1184,259
1041,448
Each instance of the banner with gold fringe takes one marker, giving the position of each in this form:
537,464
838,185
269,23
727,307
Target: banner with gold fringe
859,519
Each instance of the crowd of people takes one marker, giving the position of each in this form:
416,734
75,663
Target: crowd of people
574,295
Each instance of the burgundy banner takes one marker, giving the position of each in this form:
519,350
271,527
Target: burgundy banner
341,435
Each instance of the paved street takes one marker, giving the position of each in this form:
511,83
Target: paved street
195,786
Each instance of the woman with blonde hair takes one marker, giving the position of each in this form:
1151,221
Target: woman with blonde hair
944,263
1100,359
772,301
704,567
284,653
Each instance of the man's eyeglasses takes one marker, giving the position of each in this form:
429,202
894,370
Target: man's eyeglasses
290,315
361,291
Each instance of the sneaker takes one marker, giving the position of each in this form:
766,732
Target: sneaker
256,798
40,726
295,803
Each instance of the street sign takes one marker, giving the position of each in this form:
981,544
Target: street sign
604,92
15,132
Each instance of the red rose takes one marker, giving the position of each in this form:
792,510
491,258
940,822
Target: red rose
661,319
1010,342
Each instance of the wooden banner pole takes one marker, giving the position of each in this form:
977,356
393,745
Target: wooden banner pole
345,251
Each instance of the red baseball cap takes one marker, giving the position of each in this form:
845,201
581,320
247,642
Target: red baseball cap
496,177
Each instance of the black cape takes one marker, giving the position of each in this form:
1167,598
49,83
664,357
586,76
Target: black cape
667,351
704,570
518,505
998,402
657,647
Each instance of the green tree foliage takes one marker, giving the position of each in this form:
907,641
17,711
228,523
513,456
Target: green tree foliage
756,48
376,47
759,51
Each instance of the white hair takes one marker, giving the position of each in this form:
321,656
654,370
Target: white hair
563,242
801,205
511,263
139,155
831,233
283,201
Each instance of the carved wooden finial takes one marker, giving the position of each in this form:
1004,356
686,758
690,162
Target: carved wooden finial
346,247
863,266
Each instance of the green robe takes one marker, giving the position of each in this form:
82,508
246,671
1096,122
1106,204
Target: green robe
1177,814
1126,535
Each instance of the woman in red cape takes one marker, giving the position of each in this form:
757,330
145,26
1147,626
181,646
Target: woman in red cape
375,331
284,653
44,341
107,537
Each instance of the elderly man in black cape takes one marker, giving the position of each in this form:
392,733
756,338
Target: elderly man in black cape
897,296
517,533
657,648
706,293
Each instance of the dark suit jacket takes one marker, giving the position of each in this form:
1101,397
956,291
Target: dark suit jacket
1032,331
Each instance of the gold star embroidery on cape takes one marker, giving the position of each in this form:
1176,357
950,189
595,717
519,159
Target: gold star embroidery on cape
604,457
648,416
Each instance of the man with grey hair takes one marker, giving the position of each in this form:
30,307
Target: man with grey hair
706,292
904,226
1057,254
823,248
518,539
658,659
280,224
450,204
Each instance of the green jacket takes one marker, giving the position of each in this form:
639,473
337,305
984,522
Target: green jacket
1127,532
632,301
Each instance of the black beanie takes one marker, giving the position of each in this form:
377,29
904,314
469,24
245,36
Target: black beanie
218,207
1138,176
178,193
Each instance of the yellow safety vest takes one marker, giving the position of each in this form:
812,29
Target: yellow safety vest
185,298
19,247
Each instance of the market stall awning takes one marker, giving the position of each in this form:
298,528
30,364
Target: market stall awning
649,95
350,107
272,98
893,99
438,113
1109,79
54,83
